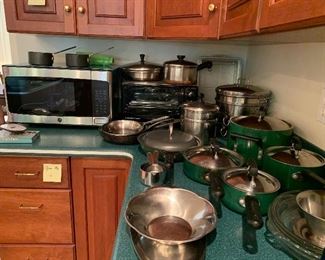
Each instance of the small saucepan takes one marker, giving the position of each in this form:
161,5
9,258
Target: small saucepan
44,58
127,131
295,167
80,60
248,191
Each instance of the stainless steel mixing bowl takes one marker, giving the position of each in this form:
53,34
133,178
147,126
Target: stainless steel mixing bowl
312,204
170,215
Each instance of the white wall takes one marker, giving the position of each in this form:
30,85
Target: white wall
124,50
296,75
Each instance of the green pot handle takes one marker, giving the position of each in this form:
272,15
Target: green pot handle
309,174
248,138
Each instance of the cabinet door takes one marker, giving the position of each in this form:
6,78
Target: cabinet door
239,17
291,14
183,18
110,17
98,191
56,16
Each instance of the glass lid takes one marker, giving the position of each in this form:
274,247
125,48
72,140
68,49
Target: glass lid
213,157
301,157
242,90
240,178
262,123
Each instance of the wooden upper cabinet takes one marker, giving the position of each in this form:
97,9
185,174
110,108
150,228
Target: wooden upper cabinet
182,18
110,17
239,17
291,14
57,16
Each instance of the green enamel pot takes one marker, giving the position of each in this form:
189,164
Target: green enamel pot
249,194
251,135
295,169
200,161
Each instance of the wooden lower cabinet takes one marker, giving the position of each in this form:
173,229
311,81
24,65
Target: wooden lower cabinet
98,186
36,252
35,216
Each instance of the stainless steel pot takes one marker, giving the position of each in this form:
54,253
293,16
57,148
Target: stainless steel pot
238,99
181,71
143,71
200,119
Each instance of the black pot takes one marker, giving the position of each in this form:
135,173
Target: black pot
44,58
77,60
40,58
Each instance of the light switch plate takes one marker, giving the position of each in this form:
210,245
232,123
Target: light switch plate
322,107
36,2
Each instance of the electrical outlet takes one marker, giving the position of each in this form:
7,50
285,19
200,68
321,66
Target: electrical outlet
322,107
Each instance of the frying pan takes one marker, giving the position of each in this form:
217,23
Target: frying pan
127,131
44,58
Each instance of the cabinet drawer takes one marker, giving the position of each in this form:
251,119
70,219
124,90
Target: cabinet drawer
27,172
35,216
36,252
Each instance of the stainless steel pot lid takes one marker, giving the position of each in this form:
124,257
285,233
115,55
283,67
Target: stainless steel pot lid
240,179
168,140
262,123
181,62
143,66
200,107
303,158
239,90
213,157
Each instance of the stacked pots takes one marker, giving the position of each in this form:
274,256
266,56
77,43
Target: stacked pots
199,119
240,100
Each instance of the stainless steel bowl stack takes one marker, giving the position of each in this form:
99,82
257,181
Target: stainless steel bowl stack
170,217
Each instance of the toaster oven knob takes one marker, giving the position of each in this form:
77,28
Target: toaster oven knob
59,119
191,95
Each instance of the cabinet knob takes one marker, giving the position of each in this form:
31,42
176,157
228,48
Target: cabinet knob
67,8
81,10
212,7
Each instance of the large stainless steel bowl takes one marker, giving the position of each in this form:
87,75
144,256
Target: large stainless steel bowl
170,215
312,204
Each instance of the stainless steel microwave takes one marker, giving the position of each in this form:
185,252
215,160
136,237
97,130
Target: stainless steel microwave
58,95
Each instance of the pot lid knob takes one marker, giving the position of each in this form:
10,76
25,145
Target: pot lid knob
215,151
296,146
142,58
261,114
171,129
180,57
252,169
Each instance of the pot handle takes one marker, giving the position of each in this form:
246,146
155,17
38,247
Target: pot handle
309,174
215,192
253,212
205,65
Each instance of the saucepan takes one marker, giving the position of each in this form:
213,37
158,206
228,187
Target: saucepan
80,60
127,131
44,58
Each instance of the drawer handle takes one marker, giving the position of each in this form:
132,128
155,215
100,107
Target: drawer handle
30,174
22,207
